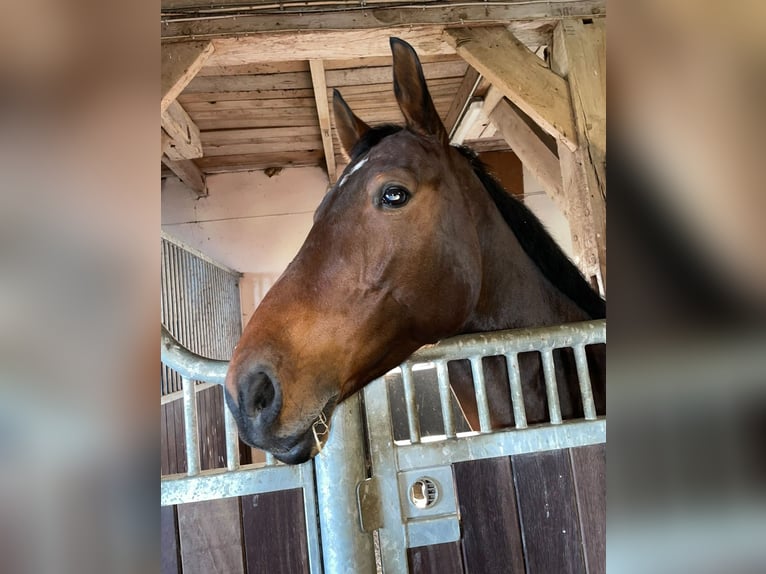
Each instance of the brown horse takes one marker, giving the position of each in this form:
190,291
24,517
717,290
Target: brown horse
415,243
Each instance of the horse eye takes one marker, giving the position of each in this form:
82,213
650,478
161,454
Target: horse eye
394,196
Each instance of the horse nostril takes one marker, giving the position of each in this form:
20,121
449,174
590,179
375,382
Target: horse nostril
257,393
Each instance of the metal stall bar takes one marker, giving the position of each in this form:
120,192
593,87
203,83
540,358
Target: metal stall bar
252,479
383,489
442,376
517,395
191,427
340,467
232,439
409,396
586,390
480,388
551,390
513,341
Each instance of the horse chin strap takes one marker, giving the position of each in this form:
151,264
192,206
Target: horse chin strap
321,431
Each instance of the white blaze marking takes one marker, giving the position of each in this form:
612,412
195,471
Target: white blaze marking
352,170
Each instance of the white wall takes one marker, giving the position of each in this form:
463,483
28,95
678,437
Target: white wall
548,212
249,221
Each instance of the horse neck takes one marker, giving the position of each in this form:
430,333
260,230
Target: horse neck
514,292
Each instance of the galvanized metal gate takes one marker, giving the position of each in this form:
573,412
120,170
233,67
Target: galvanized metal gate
408,497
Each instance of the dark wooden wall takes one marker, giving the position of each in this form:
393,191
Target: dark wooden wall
536,513
261,533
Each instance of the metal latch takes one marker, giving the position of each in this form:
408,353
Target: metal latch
368,501
429,506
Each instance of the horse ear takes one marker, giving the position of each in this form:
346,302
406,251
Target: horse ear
350,128
412,93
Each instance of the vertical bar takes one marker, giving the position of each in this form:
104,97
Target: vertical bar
339,468
442,376
549,372
232,438
190,427
480,389
409,398
270,460
310,512
517,395
392,536
586,391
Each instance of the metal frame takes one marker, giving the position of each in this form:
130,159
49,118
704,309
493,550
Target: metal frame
382,502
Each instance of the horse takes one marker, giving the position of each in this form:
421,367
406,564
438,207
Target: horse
415,243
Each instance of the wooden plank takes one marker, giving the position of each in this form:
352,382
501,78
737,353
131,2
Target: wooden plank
323,111
486,145
274,532
579,53
188,172
281,145
253,68
164,141
169,557
436,559
210,536
487,501
532,151
265,105
286,81
184,133
179,464
248,162
354,33
589,471
521,76
257,122
180,62
548,513
384,74
221,137
462,98
275,114
476,118
276,94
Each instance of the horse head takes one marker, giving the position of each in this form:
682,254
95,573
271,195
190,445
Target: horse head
392,262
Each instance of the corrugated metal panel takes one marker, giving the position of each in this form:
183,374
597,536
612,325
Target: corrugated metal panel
200,305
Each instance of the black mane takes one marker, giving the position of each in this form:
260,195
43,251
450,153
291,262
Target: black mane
530,232
538,244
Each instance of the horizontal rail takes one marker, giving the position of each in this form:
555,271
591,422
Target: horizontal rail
223,483
568,434
191,365
512,341
176,395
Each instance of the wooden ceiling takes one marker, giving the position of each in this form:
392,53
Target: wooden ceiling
259,76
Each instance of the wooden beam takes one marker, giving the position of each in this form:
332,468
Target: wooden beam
476,118
180,63
185,141
462,99
188,172
578,180
531,150
391,21
471,115
164,141
579,54
323,111
521,76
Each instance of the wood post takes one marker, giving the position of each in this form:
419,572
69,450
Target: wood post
579,54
